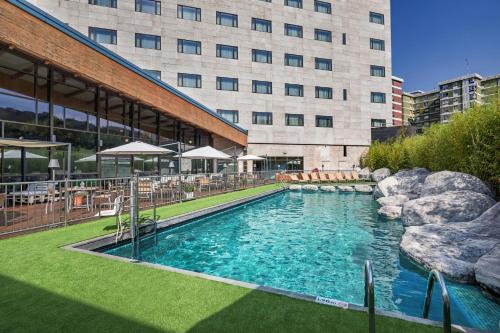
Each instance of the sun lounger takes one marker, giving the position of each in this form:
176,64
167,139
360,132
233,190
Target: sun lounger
314,177
293,178
339,176
332,178
323,178
305,177
355,176
347,175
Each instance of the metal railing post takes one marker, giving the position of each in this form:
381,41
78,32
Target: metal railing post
436,275
134,213
370,296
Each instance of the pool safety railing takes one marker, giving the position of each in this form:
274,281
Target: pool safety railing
370,296
433,276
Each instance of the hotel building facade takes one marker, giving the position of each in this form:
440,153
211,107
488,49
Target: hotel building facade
306,78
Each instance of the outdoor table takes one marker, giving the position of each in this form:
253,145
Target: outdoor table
89,191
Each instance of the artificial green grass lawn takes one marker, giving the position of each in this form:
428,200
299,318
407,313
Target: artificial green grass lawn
45,288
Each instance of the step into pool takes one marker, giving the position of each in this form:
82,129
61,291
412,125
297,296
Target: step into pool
315,244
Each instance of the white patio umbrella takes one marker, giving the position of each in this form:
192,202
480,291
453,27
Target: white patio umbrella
135,148
250,157
93,158
17,155
205,153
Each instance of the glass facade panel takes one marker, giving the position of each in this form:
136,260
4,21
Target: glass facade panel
148,41
322,7
103,3
188,13
226,19
294,60
227,51
376,18
188,46
377,71
293,3
230,115
377,97
227,83
262,118
323,35
377,44
261,25
294,90
378,122
148,6
103,36
324,121
189,80
262,87
323,64
324,92
294,119
262,56
293,30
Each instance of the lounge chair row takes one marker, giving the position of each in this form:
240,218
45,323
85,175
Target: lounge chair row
322,177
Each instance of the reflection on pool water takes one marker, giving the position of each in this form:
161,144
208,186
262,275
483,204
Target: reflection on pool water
315,244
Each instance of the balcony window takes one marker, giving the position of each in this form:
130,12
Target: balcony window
324,121
148,41
294,90
323,35
294,60
376,18
229,115
377,44
189,80
323,64
188,46
226,19
324,92
103,36
377,71
153,73
322,7
378,97
293,30
262,87
293,3
378,122
261,25
227,51
262,118
227,83
188,13
262,56
294,119
148,6
103,3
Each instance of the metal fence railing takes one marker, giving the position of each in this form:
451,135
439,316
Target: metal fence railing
27,206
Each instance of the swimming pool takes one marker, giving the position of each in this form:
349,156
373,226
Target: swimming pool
315,244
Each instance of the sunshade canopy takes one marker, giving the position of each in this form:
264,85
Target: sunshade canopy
205,153
29,144
135,148
93,158
251,158
17,155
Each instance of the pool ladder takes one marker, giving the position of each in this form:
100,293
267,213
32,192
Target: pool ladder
434,275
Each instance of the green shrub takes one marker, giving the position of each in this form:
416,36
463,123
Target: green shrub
469,143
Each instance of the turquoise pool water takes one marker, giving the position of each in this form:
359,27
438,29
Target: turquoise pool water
315,244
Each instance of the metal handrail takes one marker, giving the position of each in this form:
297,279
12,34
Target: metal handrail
370,296
436,275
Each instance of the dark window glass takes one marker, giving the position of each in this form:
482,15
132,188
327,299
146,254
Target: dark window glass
322,7
344,93
189,80
344,38
294,60
323,35
324,92
294,3
148,6
294,90
188,46
294,119
323,64
261,25
377,44
103,36
229,20
188,13
103,3
262,118
324,121
227,83
345,151
377,97
230,115
148,41
262,56
377,71
293,30
16,108
378,122
376,18
227,51
262,87
153,73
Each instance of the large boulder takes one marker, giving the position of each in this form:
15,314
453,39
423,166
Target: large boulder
327,188
380,174
445,181
363,188
487,270
365,173
410,182
393,200
386,187
310,188
390,212
452,206
345,188
295,187
454,248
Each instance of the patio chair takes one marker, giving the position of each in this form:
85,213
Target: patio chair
145,190
339,176
347,176
332,178
293,178
314,177
323,178
35,192
51,197
204,183
305,177
355,176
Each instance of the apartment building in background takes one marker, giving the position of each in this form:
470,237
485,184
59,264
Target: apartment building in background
306,78
397,101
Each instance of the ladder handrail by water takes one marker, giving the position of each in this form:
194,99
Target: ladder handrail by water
370,296
436,275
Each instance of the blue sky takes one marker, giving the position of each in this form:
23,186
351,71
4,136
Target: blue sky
435,40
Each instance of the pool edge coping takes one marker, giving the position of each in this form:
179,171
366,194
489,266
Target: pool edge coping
90,245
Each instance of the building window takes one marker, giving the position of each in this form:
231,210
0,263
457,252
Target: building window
188,13
378,122
188,46
294,90
294,119
227,83
378,97
262,56
266,0
322,7
226,51
148,6
148,41
229,20
262,118
293,3
261,25
153,73
376,18
344,38
323,64
294,60
103,3
377,71
344,94
324,92
377,44
229,115
323,35
324,121
293,30
262,87
345,151
189,80
103,36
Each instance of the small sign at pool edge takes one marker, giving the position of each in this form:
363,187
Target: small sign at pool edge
332,302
